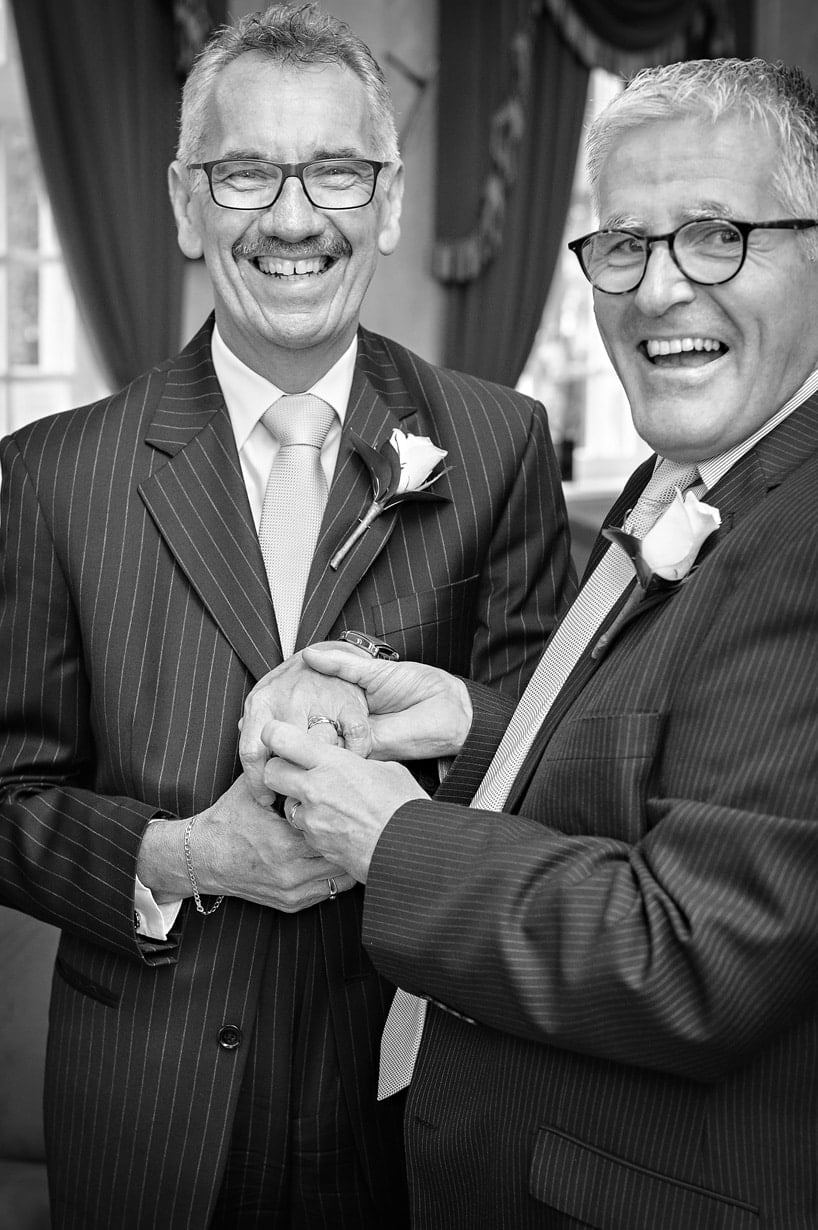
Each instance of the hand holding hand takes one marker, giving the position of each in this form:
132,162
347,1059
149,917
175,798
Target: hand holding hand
294,693
344,802
415,711
257,855
240,849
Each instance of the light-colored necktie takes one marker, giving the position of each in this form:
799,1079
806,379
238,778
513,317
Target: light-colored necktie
294,504
611,577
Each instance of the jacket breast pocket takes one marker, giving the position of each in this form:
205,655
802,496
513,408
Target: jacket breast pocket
594,774
434,625
610,1193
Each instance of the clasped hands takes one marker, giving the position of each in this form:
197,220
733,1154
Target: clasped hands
348,784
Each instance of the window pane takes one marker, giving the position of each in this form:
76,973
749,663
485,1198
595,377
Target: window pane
568,369
34,399
46,363
22,203
24,328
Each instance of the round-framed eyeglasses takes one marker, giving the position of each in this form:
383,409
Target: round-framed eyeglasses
708,251
328,183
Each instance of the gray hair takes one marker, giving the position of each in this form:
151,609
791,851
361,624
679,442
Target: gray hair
285,35
777,96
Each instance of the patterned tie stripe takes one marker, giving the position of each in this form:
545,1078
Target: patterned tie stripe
614,573
294,503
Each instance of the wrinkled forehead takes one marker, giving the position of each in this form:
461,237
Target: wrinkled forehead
268,108
667,171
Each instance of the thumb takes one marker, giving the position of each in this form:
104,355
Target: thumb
350,664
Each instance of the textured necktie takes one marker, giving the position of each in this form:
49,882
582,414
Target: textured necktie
294,504
611,577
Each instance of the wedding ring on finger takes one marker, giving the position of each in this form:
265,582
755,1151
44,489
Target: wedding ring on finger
319,720
333,888
294,806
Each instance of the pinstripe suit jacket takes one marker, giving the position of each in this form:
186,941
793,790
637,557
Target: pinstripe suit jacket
135,618
638,935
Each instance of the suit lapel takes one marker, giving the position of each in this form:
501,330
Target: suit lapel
198,502
586,665
738,493
378,403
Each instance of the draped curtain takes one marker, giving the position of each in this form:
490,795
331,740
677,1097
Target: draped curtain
513,83
103,79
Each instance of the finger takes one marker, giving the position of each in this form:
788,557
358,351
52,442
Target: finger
253,755
290,809
355,729
298,747
325,729
353,665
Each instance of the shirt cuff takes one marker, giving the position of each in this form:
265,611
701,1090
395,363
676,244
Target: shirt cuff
150,919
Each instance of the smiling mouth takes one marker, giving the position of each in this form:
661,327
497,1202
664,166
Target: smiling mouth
277,267
682,351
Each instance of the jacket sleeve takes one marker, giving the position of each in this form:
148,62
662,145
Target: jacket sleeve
654,902
67,853
528,578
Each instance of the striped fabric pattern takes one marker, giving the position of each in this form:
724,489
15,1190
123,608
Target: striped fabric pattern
134,617
613,575
635,935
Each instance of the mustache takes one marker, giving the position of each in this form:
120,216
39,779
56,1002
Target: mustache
333,246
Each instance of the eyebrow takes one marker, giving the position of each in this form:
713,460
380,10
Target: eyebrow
707,209
246,155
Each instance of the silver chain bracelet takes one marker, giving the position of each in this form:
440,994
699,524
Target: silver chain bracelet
194,884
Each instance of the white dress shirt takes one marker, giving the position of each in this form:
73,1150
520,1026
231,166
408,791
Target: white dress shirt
247,395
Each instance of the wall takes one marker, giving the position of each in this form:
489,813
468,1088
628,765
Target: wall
788,30
403,301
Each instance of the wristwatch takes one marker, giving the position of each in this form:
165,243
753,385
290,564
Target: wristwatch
370,644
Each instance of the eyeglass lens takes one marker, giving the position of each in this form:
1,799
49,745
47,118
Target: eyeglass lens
330,184
710,251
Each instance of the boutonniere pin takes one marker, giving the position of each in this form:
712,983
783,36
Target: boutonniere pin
665,557
401,469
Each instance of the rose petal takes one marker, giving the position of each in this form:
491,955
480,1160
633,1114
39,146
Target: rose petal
671,546
417,456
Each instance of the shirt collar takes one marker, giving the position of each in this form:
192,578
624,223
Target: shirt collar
247,394
714,468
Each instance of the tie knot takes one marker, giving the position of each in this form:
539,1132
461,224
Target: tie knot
299,419
658,493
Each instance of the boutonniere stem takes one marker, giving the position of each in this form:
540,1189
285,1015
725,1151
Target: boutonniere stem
400,469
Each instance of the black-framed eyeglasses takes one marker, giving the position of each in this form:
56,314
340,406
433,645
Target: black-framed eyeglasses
708,251
328,183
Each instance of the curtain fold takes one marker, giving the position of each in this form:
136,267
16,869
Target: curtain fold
493,315
104,96
513,83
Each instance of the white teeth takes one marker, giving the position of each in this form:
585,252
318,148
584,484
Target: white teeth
675,345
284,269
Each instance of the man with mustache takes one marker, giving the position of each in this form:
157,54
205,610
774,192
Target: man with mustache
215,1022
611,902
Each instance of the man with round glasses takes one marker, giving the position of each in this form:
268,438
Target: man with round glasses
215,1023
615,945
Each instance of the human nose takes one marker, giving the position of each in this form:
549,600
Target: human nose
291,214
663,283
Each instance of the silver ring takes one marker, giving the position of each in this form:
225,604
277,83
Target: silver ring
333,888
328,721
291,818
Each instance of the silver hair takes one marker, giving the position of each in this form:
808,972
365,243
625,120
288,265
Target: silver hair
777,96
285,35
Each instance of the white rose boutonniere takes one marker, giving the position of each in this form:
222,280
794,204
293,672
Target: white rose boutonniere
665,555
672,544
401,469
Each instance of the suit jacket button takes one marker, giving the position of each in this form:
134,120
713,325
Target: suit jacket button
230,1037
